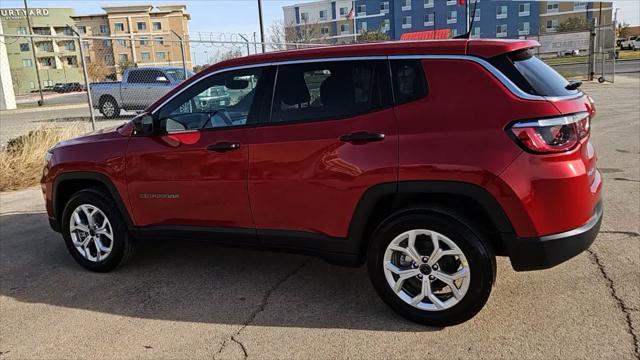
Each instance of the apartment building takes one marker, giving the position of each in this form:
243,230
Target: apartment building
493,19
319,21
143,35
554,13
57,60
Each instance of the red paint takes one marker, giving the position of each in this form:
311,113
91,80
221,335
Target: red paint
299,176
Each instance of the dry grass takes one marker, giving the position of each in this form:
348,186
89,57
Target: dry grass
22,160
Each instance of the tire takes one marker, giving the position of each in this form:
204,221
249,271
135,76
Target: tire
120,246
473,291
109,108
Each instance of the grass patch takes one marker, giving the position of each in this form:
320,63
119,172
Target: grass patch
22,160
628,55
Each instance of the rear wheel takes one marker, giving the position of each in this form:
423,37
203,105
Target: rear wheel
94,232
431,267
109,108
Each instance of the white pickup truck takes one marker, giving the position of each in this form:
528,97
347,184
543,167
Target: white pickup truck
629,43
139,88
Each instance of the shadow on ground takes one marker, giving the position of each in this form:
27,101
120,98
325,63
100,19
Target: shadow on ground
192,282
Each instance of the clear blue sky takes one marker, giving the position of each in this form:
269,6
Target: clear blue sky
233,16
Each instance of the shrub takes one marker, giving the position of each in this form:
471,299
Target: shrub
22,160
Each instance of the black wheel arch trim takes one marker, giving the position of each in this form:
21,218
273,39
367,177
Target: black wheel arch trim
375,194
93,176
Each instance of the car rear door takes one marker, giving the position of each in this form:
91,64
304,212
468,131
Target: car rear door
331,136
193,174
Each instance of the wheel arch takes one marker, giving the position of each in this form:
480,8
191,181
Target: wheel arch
469,200
67,184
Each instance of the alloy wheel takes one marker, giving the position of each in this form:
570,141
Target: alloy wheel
91,232
426,269
108,109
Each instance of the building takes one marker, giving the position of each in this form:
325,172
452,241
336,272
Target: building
493,19
319,21
57,60
554,13
138,35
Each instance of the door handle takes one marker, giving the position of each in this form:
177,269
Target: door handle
362,137
224,146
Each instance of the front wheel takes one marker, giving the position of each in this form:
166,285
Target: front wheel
94,232
431,267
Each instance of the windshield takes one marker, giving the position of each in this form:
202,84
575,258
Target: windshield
177,74
532,75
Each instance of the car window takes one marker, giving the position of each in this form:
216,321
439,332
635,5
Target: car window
329,90
145,76
219,101
408,80
178,74
532,75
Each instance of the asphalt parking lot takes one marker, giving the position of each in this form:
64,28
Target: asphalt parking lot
195,300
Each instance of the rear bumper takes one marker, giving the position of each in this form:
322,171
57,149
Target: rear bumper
536,253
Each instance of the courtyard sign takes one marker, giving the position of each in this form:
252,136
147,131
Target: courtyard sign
11,14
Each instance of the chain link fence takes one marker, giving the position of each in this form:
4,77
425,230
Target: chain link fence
584,55
92,82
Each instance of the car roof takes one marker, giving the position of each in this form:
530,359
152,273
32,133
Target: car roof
485,48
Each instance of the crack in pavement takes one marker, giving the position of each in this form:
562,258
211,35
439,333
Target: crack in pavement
261,308
626,311
629,233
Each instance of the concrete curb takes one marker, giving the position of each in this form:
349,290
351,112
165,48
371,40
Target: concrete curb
43,109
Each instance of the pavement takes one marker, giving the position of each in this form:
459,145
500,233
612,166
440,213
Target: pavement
582,69
197,300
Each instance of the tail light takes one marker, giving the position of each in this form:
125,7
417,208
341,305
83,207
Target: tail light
552,135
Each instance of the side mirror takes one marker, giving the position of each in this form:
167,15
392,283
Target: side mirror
143,125
162,79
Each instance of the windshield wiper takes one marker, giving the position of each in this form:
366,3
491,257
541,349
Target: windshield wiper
573,85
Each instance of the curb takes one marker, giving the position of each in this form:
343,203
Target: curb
43,109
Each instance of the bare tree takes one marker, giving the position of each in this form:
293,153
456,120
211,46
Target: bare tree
280,35
17,80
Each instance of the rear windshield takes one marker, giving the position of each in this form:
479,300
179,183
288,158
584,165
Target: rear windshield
531,74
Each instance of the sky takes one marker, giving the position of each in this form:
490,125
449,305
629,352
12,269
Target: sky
226,18
241,16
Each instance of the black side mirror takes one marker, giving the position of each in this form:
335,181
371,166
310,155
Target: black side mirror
143,125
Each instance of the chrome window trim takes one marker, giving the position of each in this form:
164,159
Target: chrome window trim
513,88
267,64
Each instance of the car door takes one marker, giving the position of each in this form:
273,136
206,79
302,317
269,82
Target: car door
193,173
331,136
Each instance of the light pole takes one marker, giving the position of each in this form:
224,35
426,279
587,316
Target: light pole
261,25
33,50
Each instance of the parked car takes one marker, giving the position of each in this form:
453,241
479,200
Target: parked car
573,52
628,43
422,160
57,87
636,44
69,87
138,89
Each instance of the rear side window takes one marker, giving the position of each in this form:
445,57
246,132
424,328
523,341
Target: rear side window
144,76
531,74
408,80
330,90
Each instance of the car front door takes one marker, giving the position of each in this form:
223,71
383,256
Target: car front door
331,136
193,173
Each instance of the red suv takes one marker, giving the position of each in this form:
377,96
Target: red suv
424,160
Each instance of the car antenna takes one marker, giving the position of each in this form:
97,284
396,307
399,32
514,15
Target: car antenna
473,17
